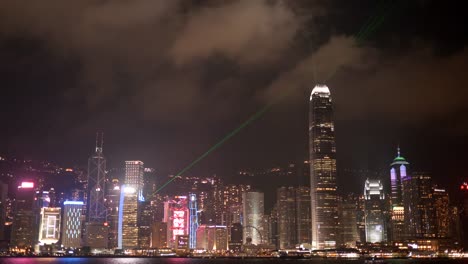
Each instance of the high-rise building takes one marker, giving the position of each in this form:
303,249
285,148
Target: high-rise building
322,155
25,222
176,216
159,235
348,209
131,194
374,208
128,215
232,200
286,201
49,226
398,171
134,176
293,216
212,238
303,214
441,212
417,201
112,205
72,221
193,220
253,210
96,209
235,240
145,219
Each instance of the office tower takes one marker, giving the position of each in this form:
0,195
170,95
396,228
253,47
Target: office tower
96,210
348,225
212,237
235,237
232,200
360,217
159,235
176,216
145,219
287,217
72,220
131,194
273,217
49,226
441,212
398,171
112,205
128,215
253,210
303,214
374,207
322,155
3,208
134,176
193,220
25,222
417,203
96,215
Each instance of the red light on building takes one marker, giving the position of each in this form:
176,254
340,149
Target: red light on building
106,224
27,185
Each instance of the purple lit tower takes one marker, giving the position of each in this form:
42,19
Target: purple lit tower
398,172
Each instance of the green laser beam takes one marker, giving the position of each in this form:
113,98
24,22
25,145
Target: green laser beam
221,142
361,35
365,26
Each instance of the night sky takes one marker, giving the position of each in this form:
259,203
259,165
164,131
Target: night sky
165,80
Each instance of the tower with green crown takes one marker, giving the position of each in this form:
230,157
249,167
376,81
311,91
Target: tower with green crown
398,173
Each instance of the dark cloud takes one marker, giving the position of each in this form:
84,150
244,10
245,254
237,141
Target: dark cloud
205,66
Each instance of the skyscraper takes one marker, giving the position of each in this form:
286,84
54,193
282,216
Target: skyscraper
253,210
71,228
131,193
322,155
374,208
24,230
96,235
96,212
398,171
49,226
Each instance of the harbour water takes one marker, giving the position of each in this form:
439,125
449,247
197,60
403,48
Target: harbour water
21,260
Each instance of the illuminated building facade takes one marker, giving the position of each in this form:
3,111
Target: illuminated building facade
374,208
232,201
128,215
212,238
441,204
71,228
322,155
49,226
96,209
134,176
112,205
24,229
193,220
253,210
417,201
348,221
293,218
177,218
398,172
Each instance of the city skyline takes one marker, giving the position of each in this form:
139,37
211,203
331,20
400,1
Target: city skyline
65,96
234,128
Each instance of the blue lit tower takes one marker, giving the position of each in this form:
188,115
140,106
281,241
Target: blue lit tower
96,212
193,220
322,155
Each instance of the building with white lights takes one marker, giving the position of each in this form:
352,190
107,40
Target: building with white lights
322,155
212,238
49,226
253,210
72,221
374,208
24,229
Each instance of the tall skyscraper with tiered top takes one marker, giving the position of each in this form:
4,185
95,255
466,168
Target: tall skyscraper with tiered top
398,173
322,155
